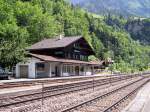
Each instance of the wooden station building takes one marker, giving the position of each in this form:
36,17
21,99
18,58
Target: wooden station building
63,56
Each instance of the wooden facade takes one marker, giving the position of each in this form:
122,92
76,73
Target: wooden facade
79,50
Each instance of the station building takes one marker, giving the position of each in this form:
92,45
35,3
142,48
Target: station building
59,57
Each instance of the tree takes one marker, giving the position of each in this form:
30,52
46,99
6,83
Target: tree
13,44
39,25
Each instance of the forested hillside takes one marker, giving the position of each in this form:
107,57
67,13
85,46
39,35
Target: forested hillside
138,28
24,22
140,8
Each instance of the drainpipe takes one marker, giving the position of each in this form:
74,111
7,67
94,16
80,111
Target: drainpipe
79,70
50,70
61,70
92,70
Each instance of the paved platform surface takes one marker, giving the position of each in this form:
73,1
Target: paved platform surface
18,89
56,78
141,103
14,90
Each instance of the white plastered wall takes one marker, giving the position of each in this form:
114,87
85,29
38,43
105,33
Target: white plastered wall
88,70
31,67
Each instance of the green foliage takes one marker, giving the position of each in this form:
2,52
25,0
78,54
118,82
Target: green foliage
97,45
13,43
12,37
39,25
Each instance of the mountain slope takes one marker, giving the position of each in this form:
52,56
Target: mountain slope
125,7
139,29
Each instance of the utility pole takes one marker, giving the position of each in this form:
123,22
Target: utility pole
42,100
93,83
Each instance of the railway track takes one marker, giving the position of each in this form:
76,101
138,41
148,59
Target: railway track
57,90
117,103
109,100
48,81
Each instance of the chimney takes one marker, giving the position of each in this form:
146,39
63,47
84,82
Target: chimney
60,37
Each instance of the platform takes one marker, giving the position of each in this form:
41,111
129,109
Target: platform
38,86
141,102
54,78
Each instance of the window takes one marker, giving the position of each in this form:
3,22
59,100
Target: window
65,68
69,56
73,56
76,51
82,69
40,66
76,57
58,52
76,45
68,69
86,58
71,69
82,57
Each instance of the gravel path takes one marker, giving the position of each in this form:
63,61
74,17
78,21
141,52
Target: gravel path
102,104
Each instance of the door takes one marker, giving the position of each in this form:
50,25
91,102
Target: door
23,71
57,71
77,70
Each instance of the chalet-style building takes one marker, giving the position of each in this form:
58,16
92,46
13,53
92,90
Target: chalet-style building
63,56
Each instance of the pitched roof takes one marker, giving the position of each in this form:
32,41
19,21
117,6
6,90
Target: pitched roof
54,59
54,43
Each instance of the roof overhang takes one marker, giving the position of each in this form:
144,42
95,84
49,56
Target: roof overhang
67,61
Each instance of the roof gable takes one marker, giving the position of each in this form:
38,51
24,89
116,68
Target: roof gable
59,43
54,43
